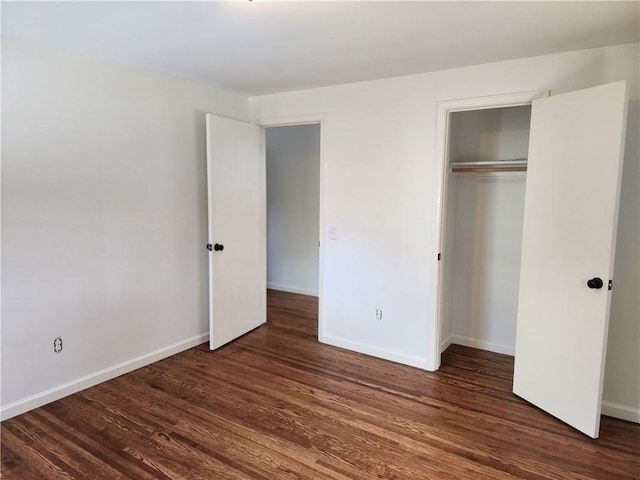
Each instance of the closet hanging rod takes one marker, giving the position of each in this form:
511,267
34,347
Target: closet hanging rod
514,165
487,169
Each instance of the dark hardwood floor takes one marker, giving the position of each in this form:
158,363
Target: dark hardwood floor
276,404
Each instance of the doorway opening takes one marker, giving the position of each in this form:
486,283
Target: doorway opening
486,180
293,216
483,148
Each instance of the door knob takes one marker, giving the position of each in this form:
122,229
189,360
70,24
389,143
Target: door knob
219,247
595,282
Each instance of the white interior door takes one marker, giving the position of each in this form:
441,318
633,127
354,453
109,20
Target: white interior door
237,229
570,223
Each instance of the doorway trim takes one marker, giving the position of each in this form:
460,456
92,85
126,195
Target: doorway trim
441,175
320,119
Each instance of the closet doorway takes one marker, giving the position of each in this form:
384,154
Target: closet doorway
486,181
482,144
293,208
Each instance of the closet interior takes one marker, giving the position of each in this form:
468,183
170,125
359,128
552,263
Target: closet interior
483,218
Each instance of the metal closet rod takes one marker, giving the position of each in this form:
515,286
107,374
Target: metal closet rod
506,168
516,165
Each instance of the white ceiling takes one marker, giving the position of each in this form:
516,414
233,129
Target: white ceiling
264,47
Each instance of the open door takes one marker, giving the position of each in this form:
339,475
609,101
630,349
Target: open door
237,229
570,223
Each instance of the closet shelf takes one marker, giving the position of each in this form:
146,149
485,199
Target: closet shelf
517,165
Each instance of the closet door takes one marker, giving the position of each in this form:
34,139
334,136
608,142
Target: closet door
570,224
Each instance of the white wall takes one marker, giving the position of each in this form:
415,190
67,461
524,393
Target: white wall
103,219
293,207
487,246
489,135
379,190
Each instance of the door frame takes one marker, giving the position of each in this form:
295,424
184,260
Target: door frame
307,119
441,175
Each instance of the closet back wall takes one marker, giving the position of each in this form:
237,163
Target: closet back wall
486,250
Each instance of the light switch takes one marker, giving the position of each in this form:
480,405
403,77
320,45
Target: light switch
333,233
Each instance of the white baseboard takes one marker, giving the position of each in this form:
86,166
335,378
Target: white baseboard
375,352
444,345
481,344
292,289
39,399
622,412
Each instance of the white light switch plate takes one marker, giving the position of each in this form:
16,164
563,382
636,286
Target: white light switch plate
333,233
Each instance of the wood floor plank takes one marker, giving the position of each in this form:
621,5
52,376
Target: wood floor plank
276,404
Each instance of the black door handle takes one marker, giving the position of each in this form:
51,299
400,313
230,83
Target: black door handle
595,282
209,247
218,248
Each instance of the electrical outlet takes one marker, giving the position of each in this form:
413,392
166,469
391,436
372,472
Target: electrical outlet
57,344
378,314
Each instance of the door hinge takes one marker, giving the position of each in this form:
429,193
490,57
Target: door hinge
610,285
